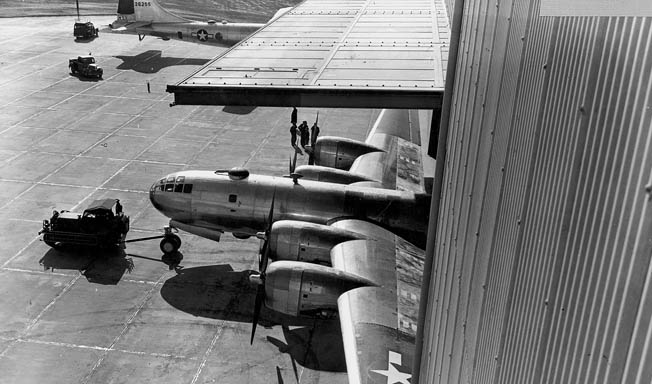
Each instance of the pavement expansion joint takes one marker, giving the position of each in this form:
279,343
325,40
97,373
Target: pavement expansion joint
140,306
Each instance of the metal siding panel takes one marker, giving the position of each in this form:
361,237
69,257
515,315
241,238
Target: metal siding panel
542,262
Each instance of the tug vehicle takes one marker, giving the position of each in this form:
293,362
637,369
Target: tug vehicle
85,66
102,224
85,30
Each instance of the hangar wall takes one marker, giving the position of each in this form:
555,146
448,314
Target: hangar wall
541,270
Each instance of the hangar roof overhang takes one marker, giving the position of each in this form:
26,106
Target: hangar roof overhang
332,53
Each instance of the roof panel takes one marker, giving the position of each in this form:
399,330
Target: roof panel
320,48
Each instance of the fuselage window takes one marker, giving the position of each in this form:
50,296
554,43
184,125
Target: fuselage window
187,188
233,198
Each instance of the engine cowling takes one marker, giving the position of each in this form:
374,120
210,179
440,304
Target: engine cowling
304,289
328,175
340,152
308,242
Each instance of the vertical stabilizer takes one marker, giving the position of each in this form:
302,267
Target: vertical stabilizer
147,10
126,7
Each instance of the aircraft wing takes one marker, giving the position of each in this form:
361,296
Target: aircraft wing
332,53
399,164
379,323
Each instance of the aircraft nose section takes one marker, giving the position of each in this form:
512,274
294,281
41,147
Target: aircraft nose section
171,196
154,194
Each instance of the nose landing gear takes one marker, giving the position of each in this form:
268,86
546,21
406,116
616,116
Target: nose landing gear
170,244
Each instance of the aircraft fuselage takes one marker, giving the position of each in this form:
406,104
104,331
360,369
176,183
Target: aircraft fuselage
202,32
217,202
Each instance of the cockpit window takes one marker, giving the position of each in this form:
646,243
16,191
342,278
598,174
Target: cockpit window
233,198
171,179
187,188
180,179
169,187
178,188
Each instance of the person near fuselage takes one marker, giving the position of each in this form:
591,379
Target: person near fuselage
305,134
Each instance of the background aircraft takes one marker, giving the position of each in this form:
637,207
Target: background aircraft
338,246
149,18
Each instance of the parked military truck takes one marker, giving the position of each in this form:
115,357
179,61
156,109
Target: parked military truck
85,30
85,66
102,224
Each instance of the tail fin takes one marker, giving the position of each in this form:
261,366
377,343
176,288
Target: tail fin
146,10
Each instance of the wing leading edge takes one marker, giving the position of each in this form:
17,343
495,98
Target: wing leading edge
379,323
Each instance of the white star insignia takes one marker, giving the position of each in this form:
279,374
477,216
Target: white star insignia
202,35
394,375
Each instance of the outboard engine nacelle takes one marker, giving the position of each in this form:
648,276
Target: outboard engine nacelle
328,175
340,152
304,289
308,242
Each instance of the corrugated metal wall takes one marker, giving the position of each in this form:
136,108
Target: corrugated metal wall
542,266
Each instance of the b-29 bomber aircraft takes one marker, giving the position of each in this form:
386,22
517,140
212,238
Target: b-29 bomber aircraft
147,17
338,237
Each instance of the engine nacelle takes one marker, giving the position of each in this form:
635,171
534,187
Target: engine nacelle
340,152
328,175
308,242
304,289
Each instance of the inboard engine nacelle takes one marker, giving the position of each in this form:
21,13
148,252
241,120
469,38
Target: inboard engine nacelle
308,242
328,175
340,152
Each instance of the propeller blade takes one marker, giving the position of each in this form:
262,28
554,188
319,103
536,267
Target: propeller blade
265,259
279,377
264,252
294,163
260,296
270,217
262,256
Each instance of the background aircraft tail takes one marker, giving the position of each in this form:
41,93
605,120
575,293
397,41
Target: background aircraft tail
146,10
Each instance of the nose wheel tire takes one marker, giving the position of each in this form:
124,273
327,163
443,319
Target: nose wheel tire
170,244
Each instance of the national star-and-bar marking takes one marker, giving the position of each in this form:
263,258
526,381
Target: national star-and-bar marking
394,375
202,35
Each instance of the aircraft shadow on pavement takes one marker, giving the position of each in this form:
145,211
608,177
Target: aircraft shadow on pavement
151,62
219,292
238,109
319,347
99,266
